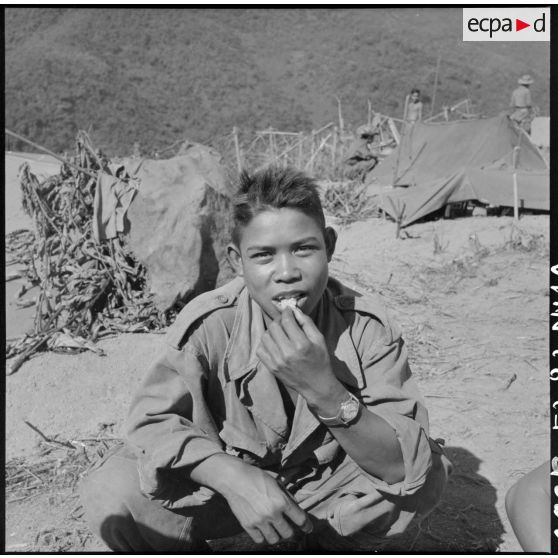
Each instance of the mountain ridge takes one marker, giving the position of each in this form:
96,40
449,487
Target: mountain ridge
155,76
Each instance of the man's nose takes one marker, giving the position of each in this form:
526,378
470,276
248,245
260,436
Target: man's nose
287,268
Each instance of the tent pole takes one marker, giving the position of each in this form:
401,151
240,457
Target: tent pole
515,195
515,202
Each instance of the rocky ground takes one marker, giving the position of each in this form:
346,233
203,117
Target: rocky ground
471,295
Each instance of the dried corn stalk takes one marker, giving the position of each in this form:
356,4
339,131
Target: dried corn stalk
87,288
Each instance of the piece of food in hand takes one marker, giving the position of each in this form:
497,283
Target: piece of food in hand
290,302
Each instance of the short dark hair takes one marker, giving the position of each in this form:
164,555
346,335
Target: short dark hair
415,90
274,188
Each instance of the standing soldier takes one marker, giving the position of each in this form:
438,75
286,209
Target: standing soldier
521,105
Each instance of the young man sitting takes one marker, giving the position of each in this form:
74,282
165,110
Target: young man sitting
281,404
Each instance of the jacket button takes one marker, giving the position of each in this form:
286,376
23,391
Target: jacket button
223,299
345,301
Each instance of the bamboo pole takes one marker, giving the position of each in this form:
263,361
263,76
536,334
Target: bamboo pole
385,116
341,126
271,148
291,147
323,128
334,149
315,153
237,149
259,138
393,130
80,169
300,146
310,163
277,133
435,83
369,113
441,113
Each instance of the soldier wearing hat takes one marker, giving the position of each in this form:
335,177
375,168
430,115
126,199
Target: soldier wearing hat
521,104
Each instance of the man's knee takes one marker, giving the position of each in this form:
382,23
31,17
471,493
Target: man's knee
127,520
107,494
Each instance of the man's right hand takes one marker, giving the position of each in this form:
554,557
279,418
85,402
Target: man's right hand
263,508
265,511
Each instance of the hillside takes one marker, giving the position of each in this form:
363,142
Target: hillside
159,75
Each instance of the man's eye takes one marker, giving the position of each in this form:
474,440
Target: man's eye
261,255
305,249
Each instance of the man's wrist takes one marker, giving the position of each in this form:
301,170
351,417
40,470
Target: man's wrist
326,402
220,472
347,413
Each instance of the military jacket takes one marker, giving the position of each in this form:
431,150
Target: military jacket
208,393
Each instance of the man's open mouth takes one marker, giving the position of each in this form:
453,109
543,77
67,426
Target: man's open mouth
294,300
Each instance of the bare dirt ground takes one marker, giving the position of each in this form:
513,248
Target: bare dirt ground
471,296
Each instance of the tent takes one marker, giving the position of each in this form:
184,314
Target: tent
437,164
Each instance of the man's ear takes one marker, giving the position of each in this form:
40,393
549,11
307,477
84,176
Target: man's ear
235,259
330,240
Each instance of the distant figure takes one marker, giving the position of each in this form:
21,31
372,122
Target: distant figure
363,154
521,105
413,107
528,509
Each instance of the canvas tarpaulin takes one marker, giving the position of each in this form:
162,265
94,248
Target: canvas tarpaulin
485,185
113,197
437,164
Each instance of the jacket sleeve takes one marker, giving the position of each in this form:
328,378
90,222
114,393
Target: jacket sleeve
391,393
169,423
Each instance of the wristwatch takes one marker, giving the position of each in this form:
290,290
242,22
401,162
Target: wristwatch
348,412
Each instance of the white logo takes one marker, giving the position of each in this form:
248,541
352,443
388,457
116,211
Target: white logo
506,24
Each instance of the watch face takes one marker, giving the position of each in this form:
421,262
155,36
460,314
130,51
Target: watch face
349,410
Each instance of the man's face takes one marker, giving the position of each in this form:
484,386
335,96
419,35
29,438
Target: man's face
414,96
283,255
